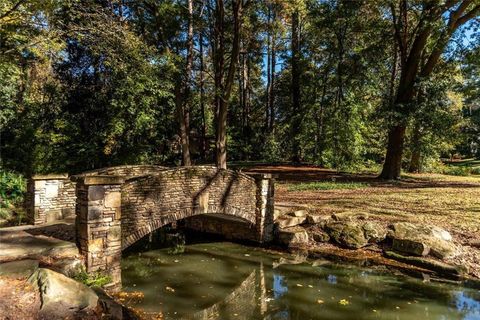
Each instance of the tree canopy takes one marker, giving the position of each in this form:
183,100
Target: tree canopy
342,84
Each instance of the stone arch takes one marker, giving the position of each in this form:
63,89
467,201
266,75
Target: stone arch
115,211
150,202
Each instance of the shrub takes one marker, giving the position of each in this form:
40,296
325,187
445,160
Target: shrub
97,279
12,192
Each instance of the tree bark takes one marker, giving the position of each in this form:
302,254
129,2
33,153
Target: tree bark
224,86
393,160
295,86
271,91
183,93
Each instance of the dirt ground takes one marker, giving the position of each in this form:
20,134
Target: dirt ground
18,300
450,202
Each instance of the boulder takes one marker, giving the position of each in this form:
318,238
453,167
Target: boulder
374,232
349,216
319,236
318,219
62,295
293,236
288,221
18,269
421,240
347,234
68,266
298,213
416,248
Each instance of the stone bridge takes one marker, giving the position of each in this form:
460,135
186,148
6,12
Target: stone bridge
115,207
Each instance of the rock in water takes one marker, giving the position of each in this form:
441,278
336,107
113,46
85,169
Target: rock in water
422,240
293,237
61,296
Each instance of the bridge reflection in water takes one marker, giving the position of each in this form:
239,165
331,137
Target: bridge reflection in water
204,283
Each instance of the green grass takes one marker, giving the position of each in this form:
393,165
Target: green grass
327,185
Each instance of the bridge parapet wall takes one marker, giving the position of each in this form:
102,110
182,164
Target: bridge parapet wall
52,197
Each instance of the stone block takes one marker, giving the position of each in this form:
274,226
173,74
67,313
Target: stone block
298,213
53,215
114,233
291,237
416,248
95,213
96,245
39,184
113,199
287,221
96,193
51,190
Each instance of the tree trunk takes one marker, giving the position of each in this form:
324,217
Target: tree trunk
225,86
295,86
202,102
271,91
393,160
267,105
183,94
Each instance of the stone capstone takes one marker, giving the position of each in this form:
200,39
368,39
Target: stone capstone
421,240
58,291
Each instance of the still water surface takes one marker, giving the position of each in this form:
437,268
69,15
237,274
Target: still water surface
229,281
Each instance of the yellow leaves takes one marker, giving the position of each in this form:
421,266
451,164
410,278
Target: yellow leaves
320,301
344,302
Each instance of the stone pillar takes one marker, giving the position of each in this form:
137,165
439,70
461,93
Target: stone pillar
265,206
98,225
49,198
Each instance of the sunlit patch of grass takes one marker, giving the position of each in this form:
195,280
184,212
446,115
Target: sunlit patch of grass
326,185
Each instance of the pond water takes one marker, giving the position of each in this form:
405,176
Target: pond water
225,281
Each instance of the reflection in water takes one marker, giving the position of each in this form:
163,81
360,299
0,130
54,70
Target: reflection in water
229,281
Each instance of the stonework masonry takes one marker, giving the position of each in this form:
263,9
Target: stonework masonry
117,206
49,198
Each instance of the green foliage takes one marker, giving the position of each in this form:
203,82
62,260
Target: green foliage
12,191
97,279
327,185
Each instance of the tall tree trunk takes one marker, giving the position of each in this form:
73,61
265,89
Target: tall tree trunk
271,91
393,160
183,94
224,86
202,102
295,86
267,105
